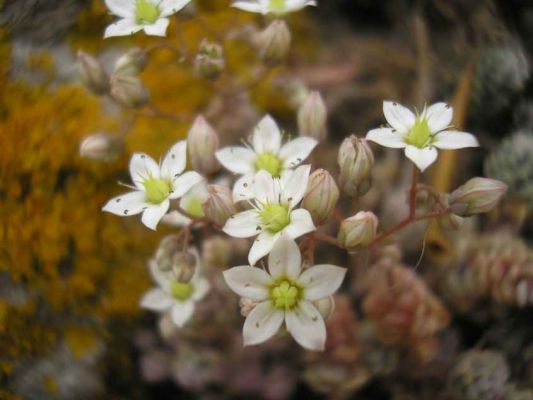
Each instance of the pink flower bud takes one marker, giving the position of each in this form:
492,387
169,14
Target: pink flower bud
209,62
355,161
274,42
219,206
93,73
129,91
101,146
476,196
312,117
183,266
132,62
202,142
359,230
321,196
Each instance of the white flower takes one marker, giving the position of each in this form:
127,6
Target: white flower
155,185
175,297
420,135
148,15
277,7
285,293
273,213
266,154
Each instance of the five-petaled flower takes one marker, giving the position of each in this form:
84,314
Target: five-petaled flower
420,135
155,185
285,293
173,296
266,154
273,212
148,15
277,7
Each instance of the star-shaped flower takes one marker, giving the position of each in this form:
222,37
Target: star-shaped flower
273,212
285,293
266,154
148,15
420,135
155,185
278,7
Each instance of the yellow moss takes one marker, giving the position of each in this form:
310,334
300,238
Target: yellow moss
81,341
51,385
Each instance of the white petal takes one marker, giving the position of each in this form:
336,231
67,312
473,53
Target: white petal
266,137
131,203
183,183
142,167
301,223
439,116
294,189
176,219
201,288
159,28
182,312
325,306
262,246
306,326
169,7
248,6
262,323
162,278
121,8
321,281
399,117
156,300
422,158
153,214
295,5
175,160
122,27
296,151
285,259
386,137
249,282
243,188
266,188
243,225
238,160
451,140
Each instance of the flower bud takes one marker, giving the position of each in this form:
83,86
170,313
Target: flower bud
209,62
355,161
93,73
168,246
359,230
321,196
451,221
202,142
312,117
132,62
476,196
274,42
172,260
129,91
101,146
183,266
219,206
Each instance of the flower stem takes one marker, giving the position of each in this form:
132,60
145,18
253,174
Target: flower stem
412,192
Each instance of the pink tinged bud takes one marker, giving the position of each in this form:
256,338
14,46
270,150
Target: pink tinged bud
132,62
209,62
219,206
355,161
274,43
478,195
93,74
321,196
183,266
451,222
312,117
129,91
202,142
358,231
101,146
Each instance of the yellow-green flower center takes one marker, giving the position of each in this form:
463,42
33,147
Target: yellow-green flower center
275,217
146,12
181,291
420,134
285,295
277,5
157,190
194,207
269,162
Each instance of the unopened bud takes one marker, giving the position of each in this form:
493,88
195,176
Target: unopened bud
101,146
184,266
476,196
132,62
209,62
219,206
93,73
129,91
312,117
321,196
359,230
171,260
274,42
451,221
355,161
202,142
168,246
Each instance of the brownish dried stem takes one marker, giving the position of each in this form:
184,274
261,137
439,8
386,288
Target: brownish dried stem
153,112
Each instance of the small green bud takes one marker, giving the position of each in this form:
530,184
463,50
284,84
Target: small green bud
132,62
358,231
129,91
93,73
274,43
321,196
202,143
312,117
356,161
209,62
478,195
219,206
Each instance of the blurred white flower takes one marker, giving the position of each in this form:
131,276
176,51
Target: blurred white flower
278,7
420,135
285,293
